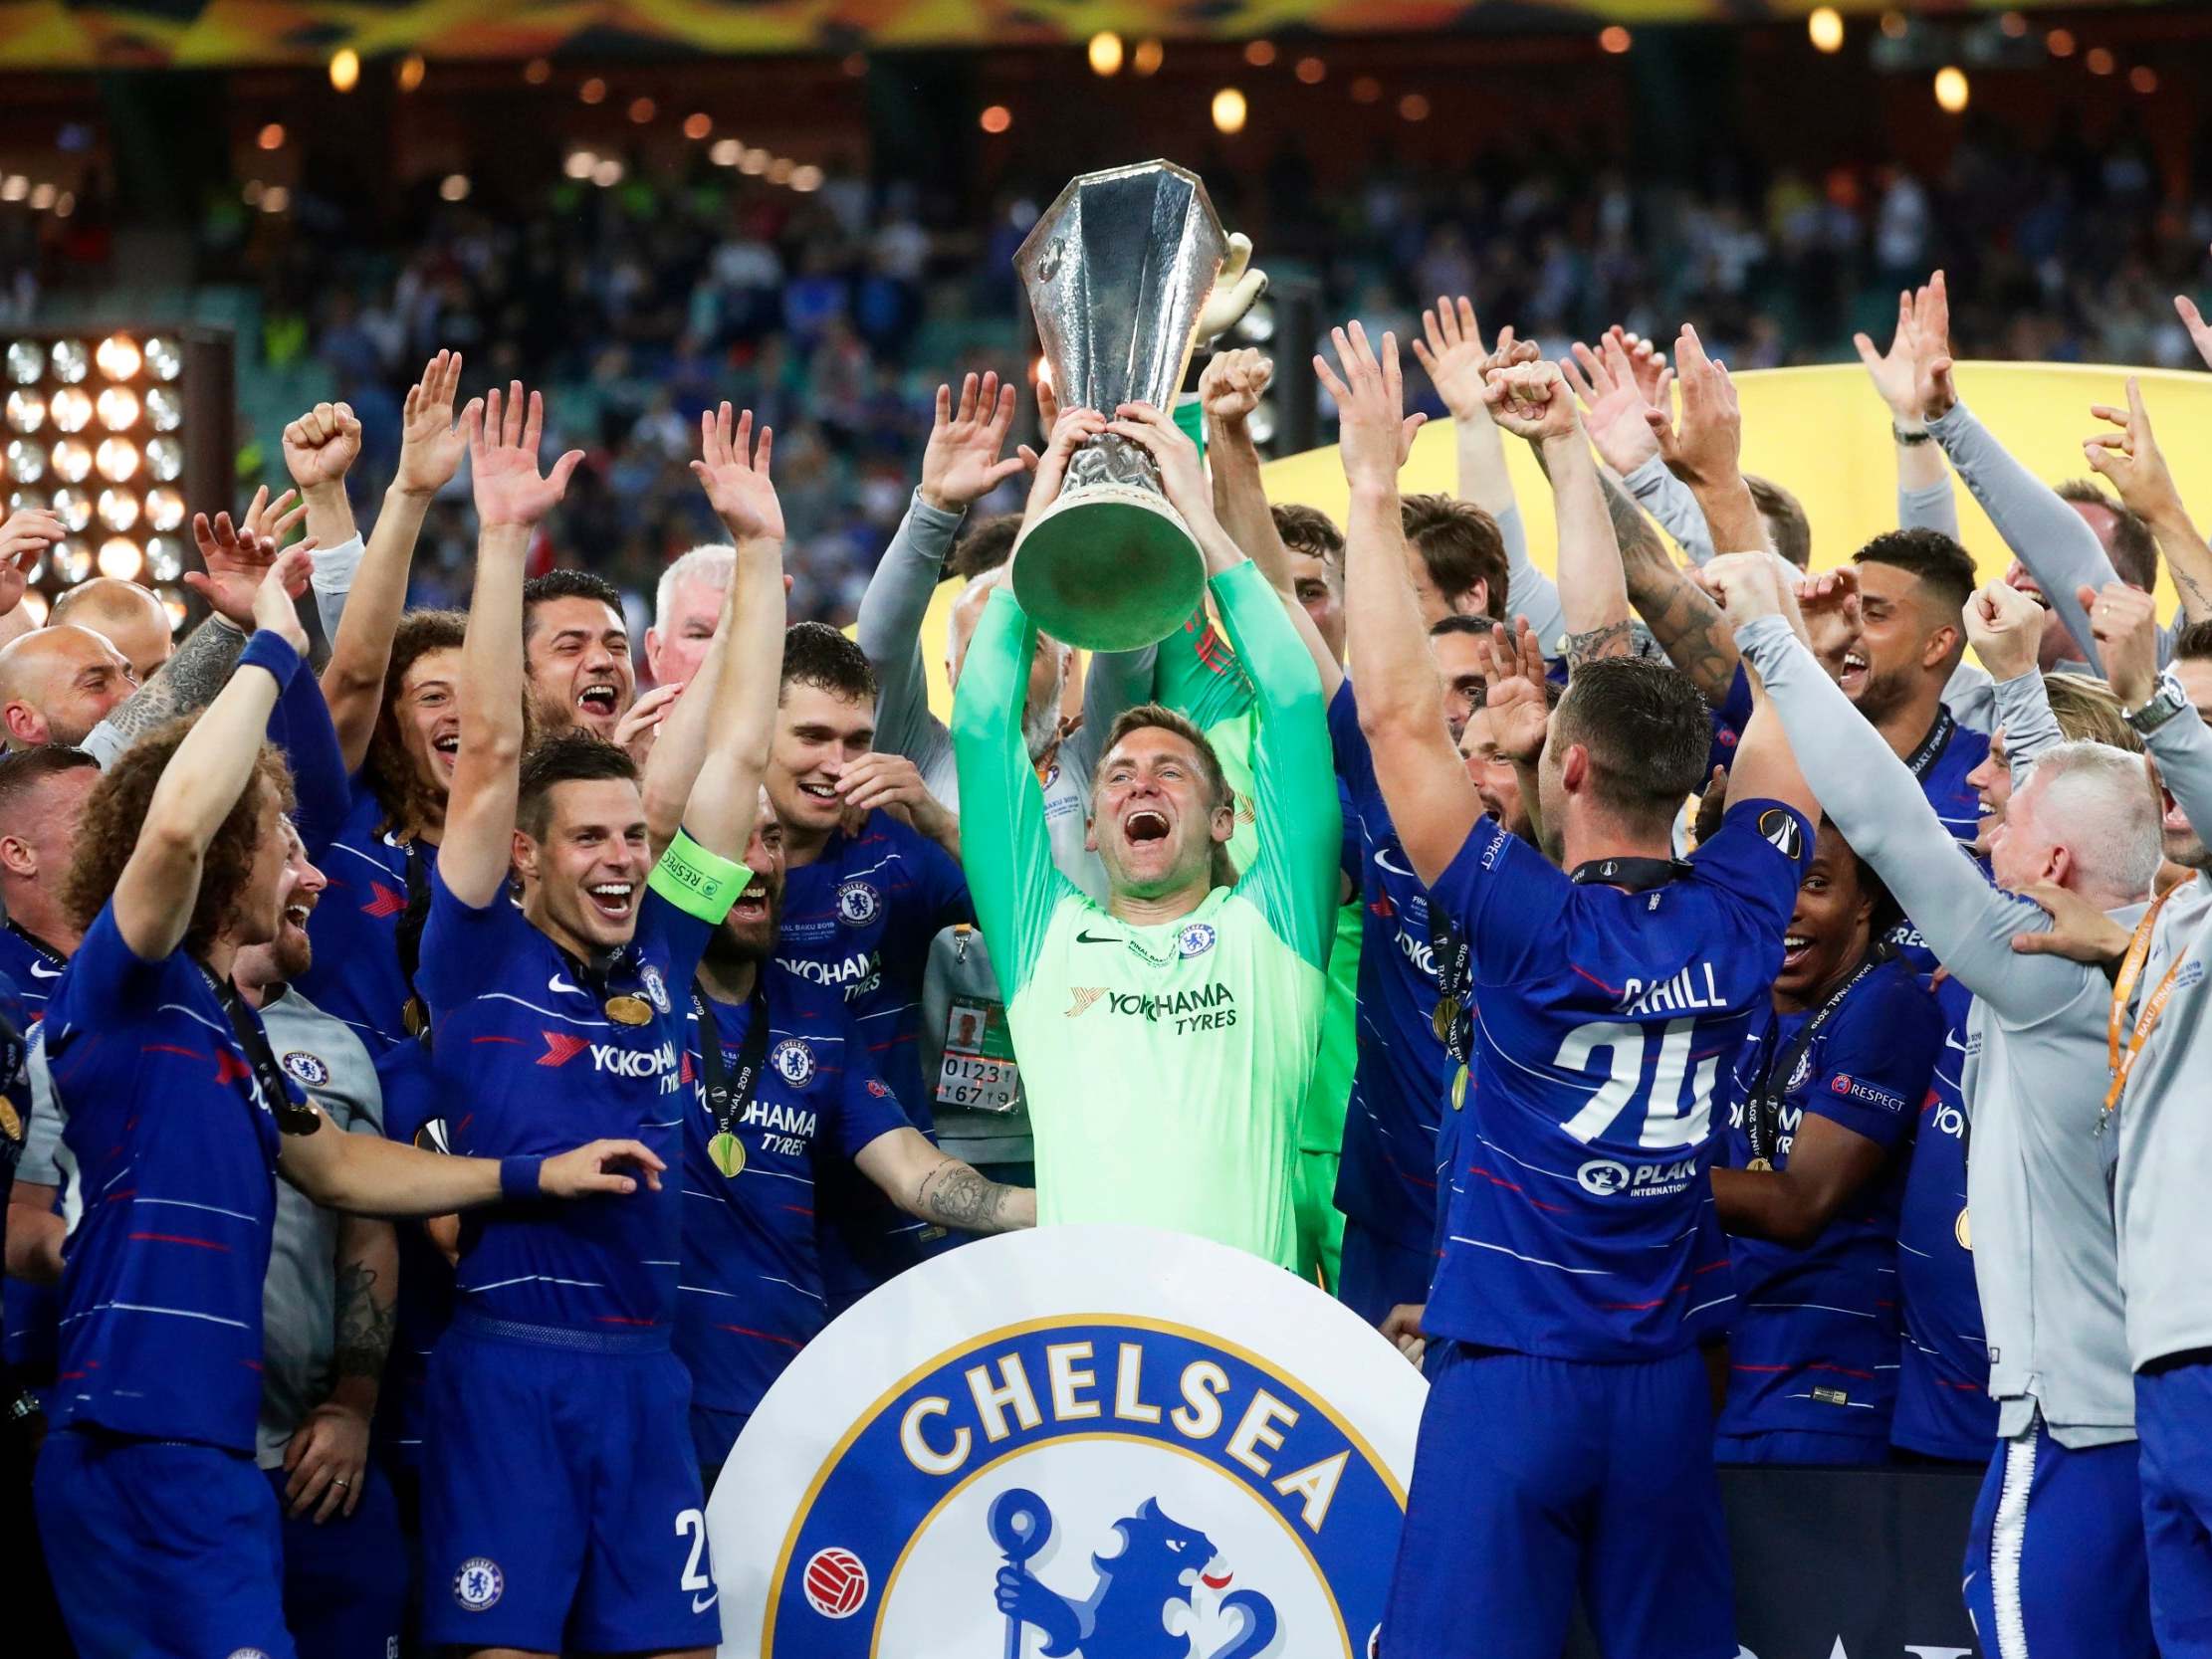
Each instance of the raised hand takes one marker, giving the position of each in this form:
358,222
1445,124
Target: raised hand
271,520
1530,401
2079,930
735,471
1745,585
1374,432
1451,352
1514,690
430,443
1236,289
1895,372
2124,622
1234,383
24,539
503,455
2005,628
321,444
961,462
1702,448
1646,363
1071,430
1828,605
1183,476
1613,401
237,560
1933,391
276,606
2132,459
2200,331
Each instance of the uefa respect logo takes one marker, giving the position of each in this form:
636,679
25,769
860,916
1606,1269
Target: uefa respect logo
1108,1485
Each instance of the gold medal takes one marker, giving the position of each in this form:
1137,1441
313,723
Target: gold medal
1447,1016
1965,1232
727,1153
1460,1088
11,1125
628,1010
1765,1165
414,1016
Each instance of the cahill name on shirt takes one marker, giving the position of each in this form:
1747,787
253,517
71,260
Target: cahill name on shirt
1685,992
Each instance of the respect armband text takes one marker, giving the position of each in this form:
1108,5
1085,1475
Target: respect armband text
697,882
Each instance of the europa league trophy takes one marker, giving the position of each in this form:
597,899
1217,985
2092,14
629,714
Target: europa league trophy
1118,271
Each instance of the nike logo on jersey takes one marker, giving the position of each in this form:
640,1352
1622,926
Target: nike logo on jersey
1382,859
44,970
699,1603
1082,938
561,987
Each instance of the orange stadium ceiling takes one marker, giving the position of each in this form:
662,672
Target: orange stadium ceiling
87,34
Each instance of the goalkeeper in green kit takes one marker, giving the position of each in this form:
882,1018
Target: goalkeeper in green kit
1168,1036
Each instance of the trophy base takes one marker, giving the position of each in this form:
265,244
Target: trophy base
1109,567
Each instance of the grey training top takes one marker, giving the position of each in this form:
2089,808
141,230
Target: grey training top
2044,1260
299,1299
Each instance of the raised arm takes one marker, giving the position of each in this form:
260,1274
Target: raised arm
1432,803
747,655
511,498
208,772
2127,626
1705,449
2005,628
1925,500
1765,766
1530,400
2132,459
1005,848
320,448
430,451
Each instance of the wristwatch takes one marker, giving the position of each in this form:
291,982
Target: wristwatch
1909,437
2165,703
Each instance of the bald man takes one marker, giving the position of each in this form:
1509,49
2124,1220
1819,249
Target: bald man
59,683
136,622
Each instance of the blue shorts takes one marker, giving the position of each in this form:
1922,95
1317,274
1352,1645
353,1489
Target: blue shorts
560,1505
1378,1274
1802,1449
1535,1478
2173,1414
713,1434
345,1582
162,1549
2055,1562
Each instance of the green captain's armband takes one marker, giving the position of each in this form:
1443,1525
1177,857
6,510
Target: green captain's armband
697,882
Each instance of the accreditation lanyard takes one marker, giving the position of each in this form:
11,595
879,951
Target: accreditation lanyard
1922,759
2124,989
729,1096
1762,1122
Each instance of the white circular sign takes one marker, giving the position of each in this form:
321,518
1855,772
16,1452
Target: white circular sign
1098,1436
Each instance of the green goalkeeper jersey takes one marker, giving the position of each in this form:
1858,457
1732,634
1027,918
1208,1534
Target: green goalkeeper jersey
1165,1063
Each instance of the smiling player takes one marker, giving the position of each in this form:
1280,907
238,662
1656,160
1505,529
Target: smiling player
1168,1035
578,652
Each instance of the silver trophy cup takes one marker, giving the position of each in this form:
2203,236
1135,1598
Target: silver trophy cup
1118,270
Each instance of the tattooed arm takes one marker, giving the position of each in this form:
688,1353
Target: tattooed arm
326,1459
939,1187
1681,616
184,684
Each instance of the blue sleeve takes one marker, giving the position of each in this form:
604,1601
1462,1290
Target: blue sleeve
1505,896
1350,858
410,1087
1355,763
105,981
1759,854
867,1107
300,724
680,934
945,901
460,945
1876,1069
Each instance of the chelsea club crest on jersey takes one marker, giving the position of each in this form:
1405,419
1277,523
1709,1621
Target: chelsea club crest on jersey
1094,1466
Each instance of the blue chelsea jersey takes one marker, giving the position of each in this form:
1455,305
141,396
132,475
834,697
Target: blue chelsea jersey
1387,1180
1812,1347
752,1290
1581,1223
357,974
529,1062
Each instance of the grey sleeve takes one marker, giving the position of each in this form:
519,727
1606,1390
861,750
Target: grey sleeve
1113,681
1932,508
2024,711
1528,591
333,582
1968,696
889,629
2183,750
1668,498
2053,540
1874,798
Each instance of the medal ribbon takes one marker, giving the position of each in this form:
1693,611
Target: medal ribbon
727,1099
290,1119
1762,1121
54,958
2124,989
1933,744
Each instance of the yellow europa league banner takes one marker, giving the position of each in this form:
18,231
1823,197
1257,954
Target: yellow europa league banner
107,34
1821,434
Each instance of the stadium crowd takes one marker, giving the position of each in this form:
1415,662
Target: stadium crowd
1591,969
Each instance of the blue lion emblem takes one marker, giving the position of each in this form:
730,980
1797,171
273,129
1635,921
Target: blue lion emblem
1125,1615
